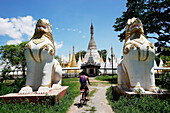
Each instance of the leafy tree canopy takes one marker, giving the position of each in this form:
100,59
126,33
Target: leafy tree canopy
14,55
104,53
155,17
82,55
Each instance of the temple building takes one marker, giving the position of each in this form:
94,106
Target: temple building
92,63
90,67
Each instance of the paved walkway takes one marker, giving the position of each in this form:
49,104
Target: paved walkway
96,104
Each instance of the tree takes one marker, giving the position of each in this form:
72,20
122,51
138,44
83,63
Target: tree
104,52
57,58
13,55
82,55
154,15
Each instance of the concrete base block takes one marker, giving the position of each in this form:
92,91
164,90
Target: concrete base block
51,96
162,96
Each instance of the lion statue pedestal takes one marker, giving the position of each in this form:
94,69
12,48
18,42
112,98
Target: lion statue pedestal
136,70
43,71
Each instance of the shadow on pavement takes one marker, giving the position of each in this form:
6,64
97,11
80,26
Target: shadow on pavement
79,105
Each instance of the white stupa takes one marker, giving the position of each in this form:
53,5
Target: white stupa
79,61
92,47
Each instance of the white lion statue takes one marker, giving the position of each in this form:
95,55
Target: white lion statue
43,71
136,70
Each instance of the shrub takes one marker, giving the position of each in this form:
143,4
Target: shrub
14,87
108,78
61,106
121,104
164,80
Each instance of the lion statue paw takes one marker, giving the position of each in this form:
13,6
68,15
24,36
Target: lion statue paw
25,90
138,90
156,90
43,90
56,86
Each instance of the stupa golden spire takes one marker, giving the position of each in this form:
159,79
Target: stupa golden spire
79,54
111,51
101,58
69,62
82,59
73,62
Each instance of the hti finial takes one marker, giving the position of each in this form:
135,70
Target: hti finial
73,48
91,28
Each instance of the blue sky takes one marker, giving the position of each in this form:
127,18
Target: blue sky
70,20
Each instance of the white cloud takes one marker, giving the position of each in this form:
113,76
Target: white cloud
17,27
84,36
69,29
56,28
14,42
66,59
74,30
58,45
80,31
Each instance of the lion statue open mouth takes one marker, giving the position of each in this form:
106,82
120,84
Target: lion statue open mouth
43,71
136,70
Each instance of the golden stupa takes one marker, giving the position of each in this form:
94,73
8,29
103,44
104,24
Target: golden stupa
69,62
101,58
82,59
73,64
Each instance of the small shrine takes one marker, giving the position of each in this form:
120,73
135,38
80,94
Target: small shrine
91,67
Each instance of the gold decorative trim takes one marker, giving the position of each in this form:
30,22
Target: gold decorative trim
136,87
46,48
49,36
29,47
27,86
155,50
45,85
151,45
132,47
152,86
128,83
127,50
147,53
52,52
39,40
42,39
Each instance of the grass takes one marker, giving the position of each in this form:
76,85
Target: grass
108,79
92,109
61,105
92,92
121,104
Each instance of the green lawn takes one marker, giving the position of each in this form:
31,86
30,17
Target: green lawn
110,79
61,106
